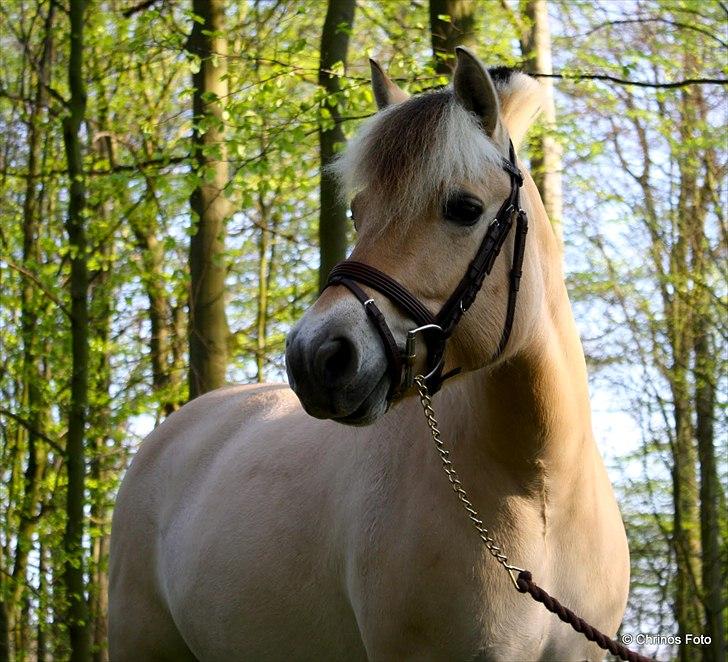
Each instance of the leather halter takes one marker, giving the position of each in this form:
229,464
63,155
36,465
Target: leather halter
436,329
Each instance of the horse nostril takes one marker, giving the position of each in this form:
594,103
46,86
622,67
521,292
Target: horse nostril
335,361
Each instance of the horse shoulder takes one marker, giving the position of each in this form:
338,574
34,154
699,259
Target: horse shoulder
234,502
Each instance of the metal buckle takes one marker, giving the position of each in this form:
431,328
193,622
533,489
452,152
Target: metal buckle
410,354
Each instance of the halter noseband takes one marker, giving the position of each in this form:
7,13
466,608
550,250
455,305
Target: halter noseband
436,329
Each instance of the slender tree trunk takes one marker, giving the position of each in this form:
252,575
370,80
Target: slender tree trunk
164,382
261,323
333,222
99,602
677,305
101,300
41,646
178,340
545,149
208,328
76,616
706,375
4,632
145,228
158,311
713,581
32,379
680,320
264,238
686,529
452,23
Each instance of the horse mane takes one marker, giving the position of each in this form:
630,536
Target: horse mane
520,97
413,151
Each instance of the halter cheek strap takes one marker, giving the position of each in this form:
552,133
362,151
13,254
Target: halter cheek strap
436,329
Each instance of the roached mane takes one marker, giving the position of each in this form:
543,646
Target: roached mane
410,152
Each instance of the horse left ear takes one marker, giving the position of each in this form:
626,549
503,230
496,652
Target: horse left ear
475,89
385,90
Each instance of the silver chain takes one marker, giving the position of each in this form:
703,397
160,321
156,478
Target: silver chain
457,486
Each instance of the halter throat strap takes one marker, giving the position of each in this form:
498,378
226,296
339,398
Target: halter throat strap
436,329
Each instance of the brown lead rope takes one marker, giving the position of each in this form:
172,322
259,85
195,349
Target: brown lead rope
526,585
523,581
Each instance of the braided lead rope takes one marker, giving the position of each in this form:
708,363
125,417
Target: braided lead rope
526,585
523,581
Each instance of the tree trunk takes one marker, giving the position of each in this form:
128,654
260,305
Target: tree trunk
101,300
32,379
208,329
686,531
713,581
706,375
333,222
158,311
41,646
669,245
680,321
261,323
99,602
76,617
165,379
4,631
452,23
545,149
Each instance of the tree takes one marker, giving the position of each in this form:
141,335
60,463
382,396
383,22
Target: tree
34,403
545,148
531,24
73,575
208,328
706,375
452,23
333,223
661,261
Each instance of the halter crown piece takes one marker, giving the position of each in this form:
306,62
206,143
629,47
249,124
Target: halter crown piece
436,329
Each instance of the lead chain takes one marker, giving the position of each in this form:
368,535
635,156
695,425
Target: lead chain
454,478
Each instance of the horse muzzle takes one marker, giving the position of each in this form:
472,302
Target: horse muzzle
336,366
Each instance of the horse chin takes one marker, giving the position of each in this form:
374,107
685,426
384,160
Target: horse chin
371,408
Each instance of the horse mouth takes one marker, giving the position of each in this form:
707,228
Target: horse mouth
371,408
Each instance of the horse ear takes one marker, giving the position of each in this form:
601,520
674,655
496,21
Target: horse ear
475,89
386,92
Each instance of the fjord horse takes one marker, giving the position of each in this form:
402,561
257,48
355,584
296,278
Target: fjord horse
253,524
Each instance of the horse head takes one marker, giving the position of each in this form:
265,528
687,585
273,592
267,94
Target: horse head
429,178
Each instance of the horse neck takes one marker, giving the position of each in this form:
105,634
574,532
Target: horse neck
533,408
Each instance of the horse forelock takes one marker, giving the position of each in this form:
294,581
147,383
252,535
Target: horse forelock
411,152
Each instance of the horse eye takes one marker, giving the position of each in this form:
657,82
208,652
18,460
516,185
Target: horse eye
462,208
354,220
353,215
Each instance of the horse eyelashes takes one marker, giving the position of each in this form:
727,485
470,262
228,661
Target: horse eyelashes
462,208
353,215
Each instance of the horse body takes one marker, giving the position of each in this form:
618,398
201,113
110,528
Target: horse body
260,533
245,529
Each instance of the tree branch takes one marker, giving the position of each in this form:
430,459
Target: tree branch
137,8
26,424
657,19
636,83
29,274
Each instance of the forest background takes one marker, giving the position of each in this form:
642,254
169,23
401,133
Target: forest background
164,221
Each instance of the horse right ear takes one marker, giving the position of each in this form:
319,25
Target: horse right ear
385,91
